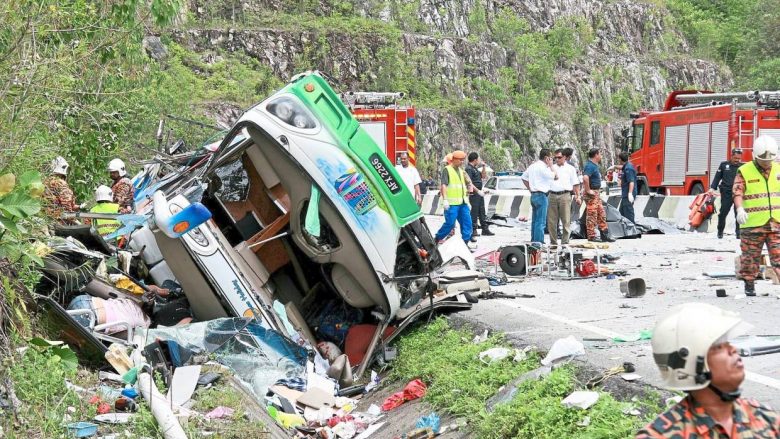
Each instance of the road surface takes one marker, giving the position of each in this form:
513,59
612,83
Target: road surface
672,266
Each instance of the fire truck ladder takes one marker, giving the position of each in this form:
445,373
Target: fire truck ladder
369,99
758,98
747,128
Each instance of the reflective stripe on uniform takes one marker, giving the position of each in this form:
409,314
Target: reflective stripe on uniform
762,197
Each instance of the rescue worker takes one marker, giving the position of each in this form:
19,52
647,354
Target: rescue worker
104,198
477,199
724,182
595,217
122,187
692,351
628,189
756,200
455,187
58,197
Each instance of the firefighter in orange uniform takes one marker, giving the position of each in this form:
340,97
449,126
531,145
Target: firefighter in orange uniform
58,197
122,187
692,351
757,202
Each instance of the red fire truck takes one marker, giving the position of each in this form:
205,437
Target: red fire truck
678,149
388,122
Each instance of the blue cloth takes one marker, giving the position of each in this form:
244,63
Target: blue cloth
626,177
83,301
627,209
593,173
461,213
538,216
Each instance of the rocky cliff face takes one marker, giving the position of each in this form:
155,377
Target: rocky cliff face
622,55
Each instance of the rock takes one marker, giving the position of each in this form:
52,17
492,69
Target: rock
630,59
155,48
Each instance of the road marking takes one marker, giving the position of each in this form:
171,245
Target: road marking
750,376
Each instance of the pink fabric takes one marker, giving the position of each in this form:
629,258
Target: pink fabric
122,310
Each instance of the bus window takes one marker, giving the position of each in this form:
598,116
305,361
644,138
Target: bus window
638,138
655,132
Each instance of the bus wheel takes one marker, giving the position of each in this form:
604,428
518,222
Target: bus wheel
697,189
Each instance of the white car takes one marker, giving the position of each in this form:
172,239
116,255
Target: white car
509,185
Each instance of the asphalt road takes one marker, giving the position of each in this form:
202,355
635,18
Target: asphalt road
671,265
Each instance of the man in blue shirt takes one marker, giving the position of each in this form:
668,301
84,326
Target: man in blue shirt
595,217
627,187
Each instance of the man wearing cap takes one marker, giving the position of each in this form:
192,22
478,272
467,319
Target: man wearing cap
724,182
476,170
538,178
455,189
692,351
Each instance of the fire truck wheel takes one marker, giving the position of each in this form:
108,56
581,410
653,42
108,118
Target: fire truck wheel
512,261
697,189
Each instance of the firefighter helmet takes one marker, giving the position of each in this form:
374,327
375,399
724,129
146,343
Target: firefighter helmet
682,339
104,193
59,166
117,165
765,148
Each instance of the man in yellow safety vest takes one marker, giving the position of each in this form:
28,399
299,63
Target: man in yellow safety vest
105,197
757,201
455,189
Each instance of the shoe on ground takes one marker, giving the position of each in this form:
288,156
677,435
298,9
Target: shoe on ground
606,237
471,245
750,288
720,235
473,238
487,233
594,239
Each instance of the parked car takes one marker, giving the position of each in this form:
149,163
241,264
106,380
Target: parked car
506,183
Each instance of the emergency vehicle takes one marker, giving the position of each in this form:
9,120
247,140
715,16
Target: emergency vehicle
389,123
678,149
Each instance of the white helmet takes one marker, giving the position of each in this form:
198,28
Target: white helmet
59,166
117,165
104,193
682,339
765,148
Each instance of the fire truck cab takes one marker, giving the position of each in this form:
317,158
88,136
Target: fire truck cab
389,123
678,149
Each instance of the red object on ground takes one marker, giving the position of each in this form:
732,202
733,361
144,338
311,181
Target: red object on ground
358,339
414,390
103,408
393,401
586,268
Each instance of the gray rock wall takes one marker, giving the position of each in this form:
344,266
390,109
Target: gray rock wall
633,58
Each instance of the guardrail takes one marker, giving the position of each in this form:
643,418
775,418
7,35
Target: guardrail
672,209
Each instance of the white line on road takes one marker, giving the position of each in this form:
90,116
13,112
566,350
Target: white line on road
750,376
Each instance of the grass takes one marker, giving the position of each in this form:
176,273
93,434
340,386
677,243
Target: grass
446,359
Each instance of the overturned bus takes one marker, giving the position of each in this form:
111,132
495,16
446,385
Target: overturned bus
312,232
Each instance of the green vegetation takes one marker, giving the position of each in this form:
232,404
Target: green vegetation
743,35
446,359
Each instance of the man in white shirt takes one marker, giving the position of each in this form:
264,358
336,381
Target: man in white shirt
410,176
561,190
538,178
